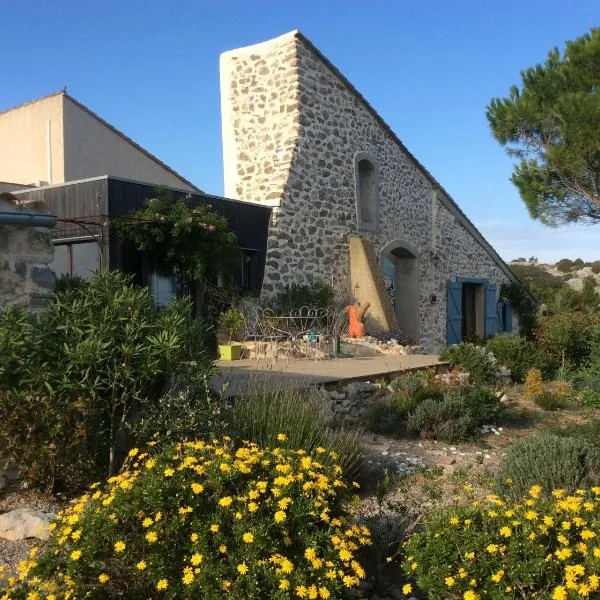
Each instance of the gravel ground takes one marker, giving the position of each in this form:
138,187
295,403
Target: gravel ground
13,552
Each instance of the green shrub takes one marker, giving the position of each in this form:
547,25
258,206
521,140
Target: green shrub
80,378
551,461
441,420
480,403
408,383
232,320
538,546
590,397
549,400
383,417
564,340
472,358
268,407
564,266
204,521
515,353
428,392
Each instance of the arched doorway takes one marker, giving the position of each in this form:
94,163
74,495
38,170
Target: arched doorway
400,266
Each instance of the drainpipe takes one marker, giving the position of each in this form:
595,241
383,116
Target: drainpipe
27,219
49,152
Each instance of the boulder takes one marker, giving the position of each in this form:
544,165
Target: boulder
23,523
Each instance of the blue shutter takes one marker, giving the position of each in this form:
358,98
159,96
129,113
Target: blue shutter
491,310
454,323
508,324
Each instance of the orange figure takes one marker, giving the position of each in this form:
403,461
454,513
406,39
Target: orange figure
356,313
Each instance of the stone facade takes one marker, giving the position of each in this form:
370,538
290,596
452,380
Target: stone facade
25,253
293,131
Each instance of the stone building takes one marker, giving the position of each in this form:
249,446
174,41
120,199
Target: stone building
351,205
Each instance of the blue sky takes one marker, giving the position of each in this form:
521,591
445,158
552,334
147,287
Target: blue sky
429,67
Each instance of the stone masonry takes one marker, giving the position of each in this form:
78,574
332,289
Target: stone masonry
25,253
292,129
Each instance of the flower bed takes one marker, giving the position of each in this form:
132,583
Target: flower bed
538,547
204,520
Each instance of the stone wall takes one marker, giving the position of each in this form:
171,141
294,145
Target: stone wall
25,253
292,129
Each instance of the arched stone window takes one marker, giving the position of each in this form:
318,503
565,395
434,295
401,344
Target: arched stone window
367,192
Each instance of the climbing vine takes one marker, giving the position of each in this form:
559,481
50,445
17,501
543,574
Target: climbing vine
183,238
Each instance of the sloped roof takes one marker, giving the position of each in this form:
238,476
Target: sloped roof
109,126
444,196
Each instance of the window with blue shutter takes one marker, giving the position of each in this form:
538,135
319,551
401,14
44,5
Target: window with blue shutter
491,310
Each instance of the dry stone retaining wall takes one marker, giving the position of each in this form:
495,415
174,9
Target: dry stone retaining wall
25,277
292,130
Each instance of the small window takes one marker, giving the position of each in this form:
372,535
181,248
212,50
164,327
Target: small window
76,259
367,193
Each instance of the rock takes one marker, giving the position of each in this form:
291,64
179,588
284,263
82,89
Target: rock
22,523
446,460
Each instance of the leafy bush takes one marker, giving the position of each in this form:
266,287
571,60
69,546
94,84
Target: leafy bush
267,408
564,266
457,416
445,420
204,521
552,461
480,363
534,547
83,375
480,403
515,353
408,383
590,398
388,415
428,392
564,340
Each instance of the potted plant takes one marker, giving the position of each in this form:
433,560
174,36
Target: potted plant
232,320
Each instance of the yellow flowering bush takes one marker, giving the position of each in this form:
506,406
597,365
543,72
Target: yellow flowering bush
545,546
203,520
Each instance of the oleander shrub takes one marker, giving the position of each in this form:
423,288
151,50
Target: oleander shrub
78,380
203,520
552,461
475,359
407,383
268,407
539,545
515,353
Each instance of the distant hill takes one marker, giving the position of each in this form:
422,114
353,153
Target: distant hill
572,272
563,285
